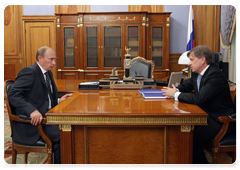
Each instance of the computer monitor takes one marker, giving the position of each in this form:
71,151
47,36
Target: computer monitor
175,78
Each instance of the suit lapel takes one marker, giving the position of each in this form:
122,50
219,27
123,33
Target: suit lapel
204,77
40,74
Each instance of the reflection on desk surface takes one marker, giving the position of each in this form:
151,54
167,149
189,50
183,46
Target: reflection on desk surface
119,102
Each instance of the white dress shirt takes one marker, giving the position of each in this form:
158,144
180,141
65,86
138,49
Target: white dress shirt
44,71
178,93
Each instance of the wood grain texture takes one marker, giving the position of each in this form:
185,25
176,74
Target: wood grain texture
126,145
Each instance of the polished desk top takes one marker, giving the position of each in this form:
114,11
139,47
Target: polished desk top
123,106
71,85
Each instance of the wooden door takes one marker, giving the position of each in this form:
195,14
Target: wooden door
38,34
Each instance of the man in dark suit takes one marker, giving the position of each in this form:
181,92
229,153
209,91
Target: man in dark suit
212,94
30,95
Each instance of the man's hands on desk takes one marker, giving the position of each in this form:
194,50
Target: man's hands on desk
169,92
64,97
36,116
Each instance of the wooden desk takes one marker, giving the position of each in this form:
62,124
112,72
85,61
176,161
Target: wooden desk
120,127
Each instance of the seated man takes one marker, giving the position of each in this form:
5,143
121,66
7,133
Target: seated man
34,93
211,94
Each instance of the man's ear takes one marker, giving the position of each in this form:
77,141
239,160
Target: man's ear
203,60
39,57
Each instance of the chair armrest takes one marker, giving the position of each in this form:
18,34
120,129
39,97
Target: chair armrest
24,117
43,134
225,120
233,116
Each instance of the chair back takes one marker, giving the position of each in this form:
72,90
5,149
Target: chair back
236,103
141,66
234,97
7,86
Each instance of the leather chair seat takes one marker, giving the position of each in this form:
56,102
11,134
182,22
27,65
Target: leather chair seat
228,140
40,143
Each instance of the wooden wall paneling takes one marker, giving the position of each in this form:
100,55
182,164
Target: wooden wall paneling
148,8
207,25
12,41
38,31
68,9
11,31
173,62
70,75
92,76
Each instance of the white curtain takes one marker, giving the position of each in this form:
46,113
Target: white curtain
232,65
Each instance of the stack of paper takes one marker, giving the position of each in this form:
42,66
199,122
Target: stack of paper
152,93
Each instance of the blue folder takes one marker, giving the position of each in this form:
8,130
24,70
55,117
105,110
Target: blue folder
152,93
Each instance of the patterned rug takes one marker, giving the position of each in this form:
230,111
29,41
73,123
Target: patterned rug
33,157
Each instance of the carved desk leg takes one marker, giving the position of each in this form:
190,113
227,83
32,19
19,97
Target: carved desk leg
66,144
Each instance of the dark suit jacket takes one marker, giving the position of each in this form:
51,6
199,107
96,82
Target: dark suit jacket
213,96
29,93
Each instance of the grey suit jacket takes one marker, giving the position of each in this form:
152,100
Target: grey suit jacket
29,93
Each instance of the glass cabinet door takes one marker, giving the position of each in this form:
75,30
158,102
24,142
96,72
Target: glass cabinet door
112,46
157,45
92,47
69,56
133,41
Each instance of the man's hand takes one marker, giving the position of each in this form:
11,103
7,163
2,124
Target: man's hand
64,97
36,117
169,92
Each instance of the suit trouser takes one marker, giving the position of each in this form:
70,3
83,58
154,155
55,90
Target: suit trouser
202,135
57,153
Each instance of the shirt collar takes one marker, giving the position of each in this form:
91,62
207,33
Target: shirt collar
43,71
204,70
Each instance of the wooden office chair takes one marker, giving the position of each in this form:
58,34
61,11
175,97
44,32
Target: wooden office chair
223,141
141,66
39,146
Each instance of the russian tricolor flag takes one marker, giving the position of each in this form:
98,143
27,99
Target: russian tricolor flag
190,35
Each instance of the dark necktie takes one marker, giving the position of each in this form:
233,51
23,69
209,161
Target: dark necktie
199,81
49,88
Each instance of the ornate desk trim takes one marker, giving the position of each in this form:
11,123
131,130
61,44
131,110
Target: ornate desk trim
126,120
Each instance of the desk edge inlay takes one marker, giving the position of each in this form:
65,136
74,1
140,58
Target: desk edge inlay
125,120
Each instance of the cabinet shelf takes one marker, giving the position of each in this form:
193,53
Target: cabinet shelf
99,43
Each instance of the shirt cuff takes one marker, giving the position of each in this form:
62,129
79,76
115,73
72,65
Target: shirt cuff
176,95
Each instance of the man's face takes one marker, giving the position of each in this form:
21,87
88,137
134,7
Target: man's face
195,63
48,61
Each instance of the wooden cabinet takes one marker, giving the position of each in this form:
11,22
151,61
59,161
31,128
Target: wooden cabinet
90,45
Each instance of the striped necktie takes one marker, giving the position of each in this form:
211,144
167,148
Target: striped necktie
49,88
199,80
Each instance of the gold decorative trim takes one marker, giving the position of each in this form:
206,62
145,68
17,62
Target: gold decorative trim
118,19
186,128
167,25
80,70
233,27
215,150
58,25
124,120
66,128
49,151
225,47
